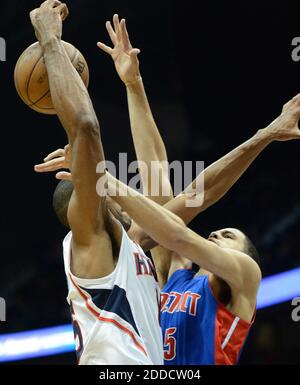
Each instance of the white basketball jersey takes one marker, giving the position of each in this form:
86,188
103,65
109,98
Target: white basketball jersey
116,318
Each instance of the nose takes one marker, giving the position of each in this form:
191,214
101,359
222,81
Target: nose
213,235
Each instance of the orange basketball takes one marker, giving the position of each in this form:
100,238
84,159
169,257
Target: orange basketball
31,78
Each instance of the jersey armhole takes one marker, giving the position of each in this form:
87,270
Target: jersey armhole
82,282
229,312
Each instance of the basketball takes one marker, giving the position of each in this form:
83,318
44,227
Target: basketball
31,78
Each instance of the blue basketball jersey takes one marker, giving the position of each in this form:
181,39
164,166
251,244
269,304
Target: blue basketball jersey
197,328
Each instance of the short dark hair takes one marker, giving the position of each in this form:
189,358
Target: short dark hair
251,250
61,199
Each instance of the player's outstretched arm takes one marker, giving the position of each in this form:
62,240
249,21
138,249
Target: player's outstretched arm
148,143
224,173
74,108
149,146
236,268
230,167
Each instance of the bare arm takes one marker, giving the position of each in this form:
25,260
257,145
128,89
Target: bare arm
86,212
218,178
223,174
236,268
149,146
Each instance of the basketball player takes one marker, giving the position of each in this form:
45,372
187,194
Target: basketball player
114,303
206,316
218,179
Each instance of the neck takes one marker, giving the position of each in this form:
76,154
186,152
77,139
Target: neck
203,272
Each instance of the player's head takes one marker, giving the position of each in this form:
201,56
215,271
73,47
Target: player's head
235,239
61,199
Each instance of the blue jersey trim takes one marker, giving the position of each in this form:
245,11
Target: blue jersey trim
115,301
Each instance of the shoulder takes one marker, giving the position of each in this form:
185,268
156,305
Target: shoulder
248,273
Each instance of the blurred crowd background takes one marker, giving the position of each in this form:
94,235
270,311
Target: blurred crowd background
215,73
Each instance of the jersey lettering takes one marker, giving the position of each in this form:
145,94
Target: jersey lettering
144,266
183,302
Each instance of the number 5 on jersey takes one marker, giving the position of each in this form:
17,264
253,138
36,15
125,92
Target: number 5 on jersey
170,344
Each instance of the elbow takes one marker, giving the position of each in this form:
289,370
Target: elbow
211,196
87,125
178,239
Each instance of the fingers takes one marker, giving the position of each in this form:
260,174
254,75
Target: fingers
51,165
59,7
63,10
50,3
295,101
32,15
111,32
40,168
134,52
124,35
105,48
55,154
117,34
63,175
117,26
296,98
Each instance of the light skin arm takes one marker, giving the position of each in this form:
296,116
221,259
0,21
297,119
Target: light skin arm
149,146
234,267
148,142
221,175
224,173
87,211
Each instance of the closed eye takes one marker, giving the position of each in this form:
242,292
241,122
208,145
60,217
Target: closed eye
228,235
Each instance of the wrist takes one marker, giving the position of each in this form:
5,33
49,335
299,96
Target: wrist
266,135
48,41
137,80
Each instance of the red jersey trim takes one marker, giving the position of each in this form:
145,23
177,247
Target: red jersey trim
106,319
233,343
222,306
224,321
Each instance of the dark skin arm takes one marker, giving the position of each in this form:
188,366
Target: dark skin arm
221,175
92,254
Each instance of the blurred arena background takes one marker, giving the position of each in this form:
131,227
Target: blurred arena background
215,72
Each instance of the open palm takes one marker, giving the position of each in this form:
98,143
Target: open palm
122,53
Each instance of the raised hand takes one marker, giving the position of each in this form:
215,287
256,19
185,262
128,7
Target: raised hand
47,20
57,160
285,127
122,53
